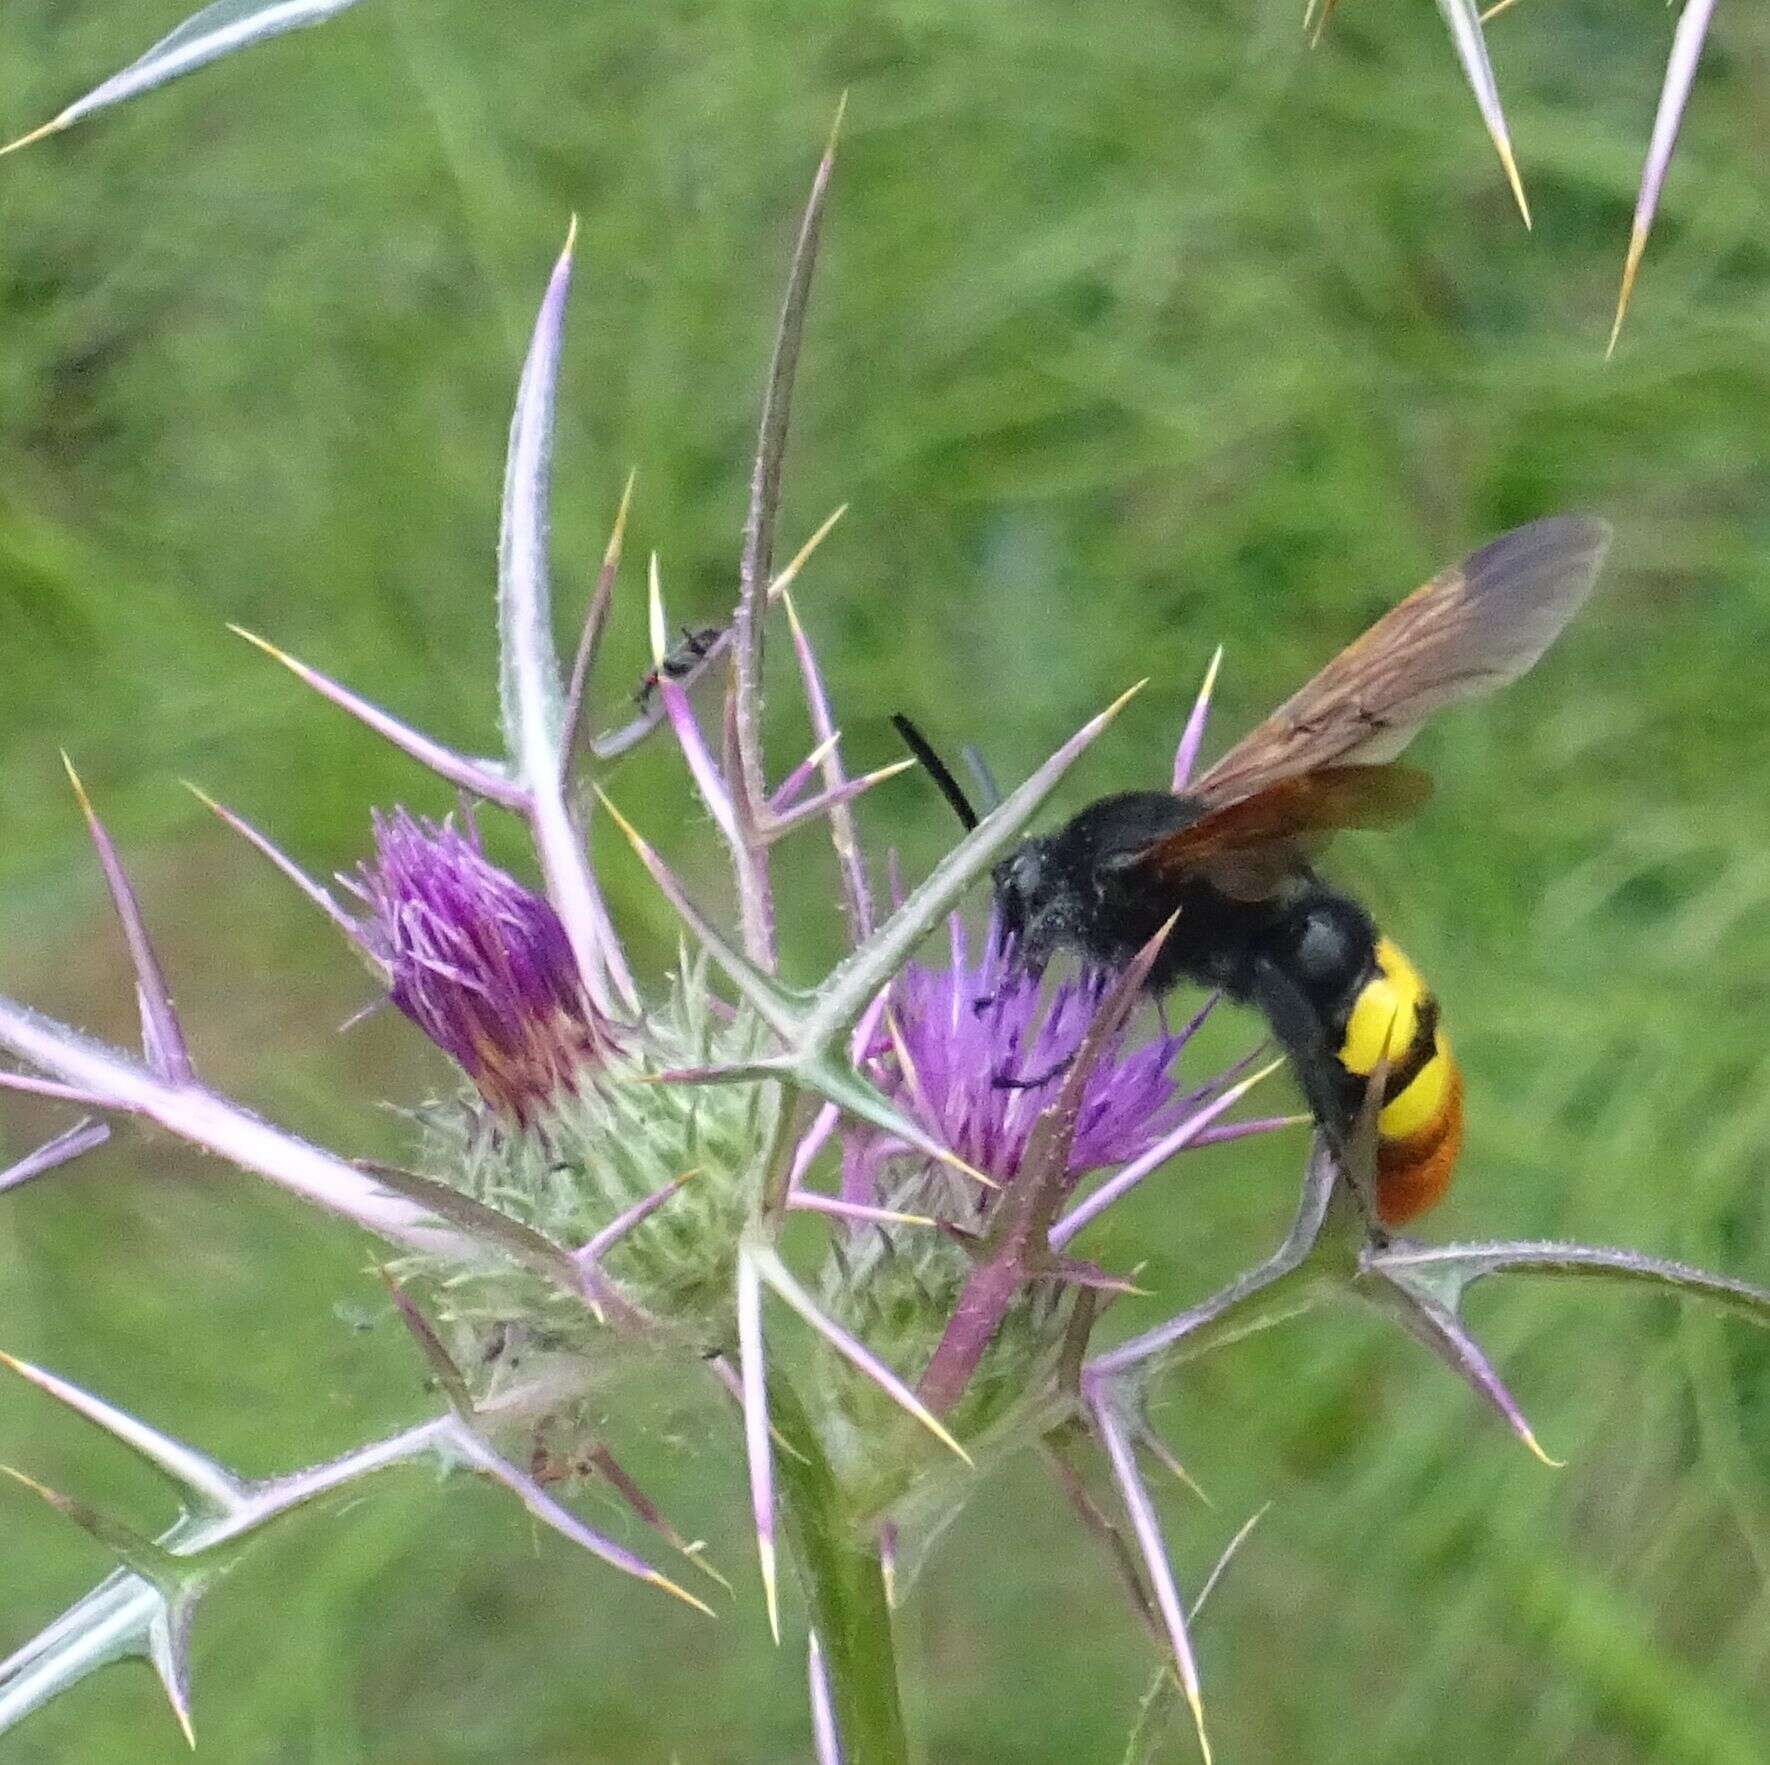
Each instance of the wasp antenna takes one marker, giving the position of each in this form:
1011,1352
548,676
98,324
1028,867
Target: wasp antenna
937,769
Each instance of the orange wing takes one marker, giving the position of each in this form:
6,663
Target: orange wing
1472,628
1249,844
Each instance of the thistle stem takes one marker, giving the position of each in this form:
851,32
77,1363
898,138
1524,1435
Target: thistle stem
842,1573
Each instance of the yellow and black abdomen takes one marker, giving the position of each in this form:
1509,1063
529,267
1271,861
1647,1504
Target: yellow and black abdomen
1420,1125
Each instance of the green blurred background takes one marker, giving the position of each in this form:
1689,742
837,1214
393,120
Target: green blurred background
1139,328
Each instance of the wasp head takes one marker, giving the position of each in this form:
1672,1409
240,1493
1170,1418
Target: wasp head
1031,919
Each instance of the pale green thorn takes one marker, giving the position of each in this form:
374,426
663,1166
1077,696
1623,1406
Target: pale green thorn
840,1084
152,1562
656,625
169,1655
53,127
206,1486
777,589
770,1000
786,1286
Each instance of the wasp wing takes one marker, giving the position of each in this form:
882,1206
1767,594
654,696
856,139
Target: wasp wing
1470,629
1248,846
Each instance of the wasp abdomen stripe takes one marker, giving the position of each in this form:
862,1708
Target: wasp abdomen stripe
1419,1128
1420,1051
1414,1169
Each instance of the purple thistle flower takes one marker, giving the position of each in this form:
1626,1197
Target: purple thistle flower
977,1050
480,964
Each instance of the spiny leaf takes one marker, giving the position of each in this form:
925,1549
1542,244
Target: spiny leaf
480,777
1146,1528
162,1038
765,488
112,1080
531,692
563,1521
206,36
595,623
76,1142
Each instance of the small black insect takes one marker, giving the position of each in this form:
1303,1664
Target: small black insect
679,663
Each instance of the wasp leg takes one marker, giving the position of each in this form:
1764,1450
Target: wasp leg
1299,1031
1002,1082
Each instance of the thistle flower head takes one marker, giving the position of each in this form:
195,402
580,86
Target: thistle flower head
1036,1082
480,964
978,1050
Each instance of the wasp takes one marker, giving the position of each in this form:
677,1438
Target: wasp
1231,857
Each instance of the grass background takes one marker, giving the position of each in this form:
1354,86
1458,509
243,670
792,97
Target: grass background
1139,328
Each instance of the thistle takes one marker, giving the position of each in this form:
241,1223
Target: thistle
609,1185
